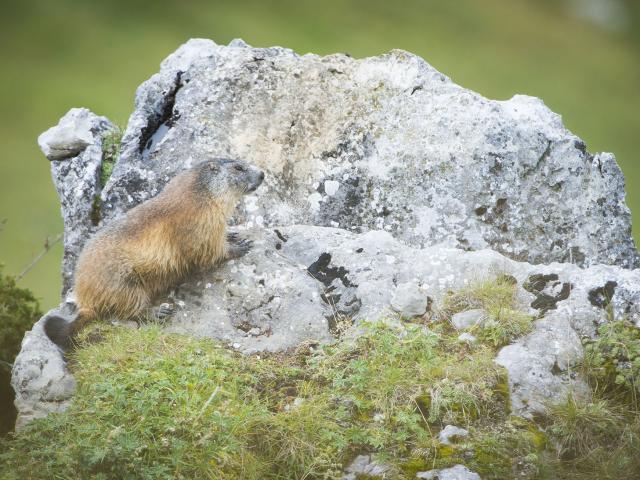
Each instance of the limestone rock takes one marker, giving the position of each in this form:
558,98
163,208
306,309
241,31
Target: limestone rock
382,143
40,378
74,147
409,300
365,465
75,132
451,434
457,472
468,318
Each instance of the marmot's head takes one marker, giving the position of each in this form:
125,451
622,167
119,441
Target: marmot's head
223,177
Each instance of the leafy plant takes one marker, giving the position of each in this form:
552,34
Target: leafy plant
612,359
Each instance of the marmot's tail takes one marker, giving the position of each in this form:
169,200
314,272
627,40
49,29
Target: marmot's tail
61,331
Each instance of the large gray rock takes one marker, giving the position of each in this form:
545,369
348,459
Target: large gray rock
382,143
406,164
298,281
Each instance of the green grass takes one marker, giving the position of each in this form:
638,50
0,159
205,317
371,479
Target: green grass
151,405
70,53
504,320
156,405
582,426
598,438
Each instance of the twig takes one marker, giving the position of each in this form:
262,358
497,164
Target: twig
48,244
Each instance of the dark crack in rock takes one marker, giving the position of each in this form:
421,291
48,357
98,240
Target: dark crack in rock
548,291
601,297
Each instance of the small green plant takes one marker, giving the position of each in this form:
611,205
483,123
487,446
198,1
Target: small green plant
612,360
19,310
111,143
597,438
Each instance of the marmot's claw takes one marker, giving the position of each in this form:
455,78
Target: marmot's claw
165,310
232,237
240,248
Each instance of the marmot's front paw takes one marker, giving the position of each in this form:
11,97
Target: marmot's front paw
239,248
232,237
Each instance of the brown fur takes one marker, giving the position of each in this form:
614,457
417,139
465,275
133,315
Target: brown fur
130,262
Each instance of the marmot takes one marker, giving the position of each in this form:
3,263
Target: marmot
135,258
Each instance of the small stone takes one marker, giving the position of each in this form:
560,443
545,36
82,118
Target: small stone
71,135
365,465
295,404
457,472
468,318
467,337
409,301
451,434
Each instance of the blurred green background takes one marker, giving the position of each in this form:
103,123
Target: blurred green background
582,57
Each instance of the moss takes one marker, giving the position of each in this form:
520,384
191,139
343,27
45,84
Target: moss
110,152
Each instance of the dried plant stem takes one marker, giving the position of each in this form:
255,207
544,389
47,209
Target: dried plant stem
48,245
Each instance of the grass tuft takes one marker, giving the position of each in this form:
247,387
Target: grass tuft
504,320
579,427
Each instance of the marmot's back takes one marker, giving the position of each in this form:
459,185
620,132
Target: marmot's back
132,260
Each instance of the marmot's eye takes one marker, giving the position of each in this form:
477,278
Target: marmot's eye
239,168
